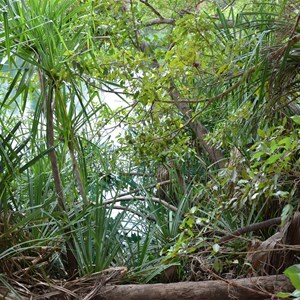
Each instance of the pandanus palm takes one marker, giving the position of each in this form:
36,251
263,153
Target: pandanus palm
43,46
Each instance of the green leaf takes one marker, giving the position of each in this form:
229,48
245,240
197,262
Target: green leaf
257,155
286,212
11,289
190,222
296,293
284,295
293,273
218,265
296,119
286,141
261,133
273,159
274,146
216,248
282,194
223,69
7,38
193,209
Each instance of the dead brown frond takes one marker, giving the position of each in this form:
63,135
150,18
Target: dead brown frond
277,253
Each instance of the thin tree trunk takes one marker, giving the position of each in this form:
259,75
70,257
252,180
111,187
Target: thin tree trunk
52,153
72,263
199,130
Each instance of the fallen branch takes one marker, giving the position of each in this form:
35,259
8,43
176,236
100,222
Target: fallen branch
247,289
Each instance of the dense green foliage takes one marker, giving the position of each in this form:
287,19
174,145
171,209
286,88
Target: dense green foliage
208,91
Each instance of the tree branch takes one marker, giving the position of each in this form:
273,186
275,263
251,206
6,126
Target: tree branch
250,228
159,21
120,207
140,198
152,8
141,189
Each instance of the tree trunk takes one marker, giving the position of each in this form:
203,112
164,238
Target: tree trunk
70,246
214,154
247,288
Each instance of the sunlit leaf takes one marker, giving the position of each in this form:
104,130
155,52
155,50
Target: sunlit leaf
296,119
272,159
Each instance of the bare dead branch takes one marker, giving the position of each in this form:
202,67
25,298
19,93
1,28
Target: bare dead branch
142,189
120,207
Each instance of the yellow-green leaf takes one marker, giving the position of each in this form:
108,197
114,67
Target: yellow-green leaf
273,159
